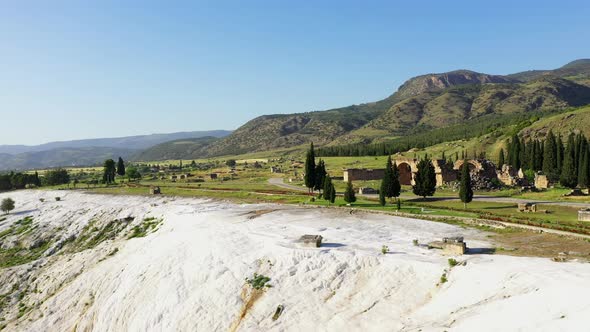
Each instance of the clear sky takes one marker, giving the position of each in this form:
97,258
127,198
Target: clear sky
85,69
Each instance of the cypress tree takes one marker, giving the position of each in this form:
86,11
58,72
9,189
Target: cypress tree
332,192
120,167
514,152
387,182
550,157
381,196
540,149
425,179
583,169
328,187
36,180
569,176
109,171
501,158
465,190
396,187
349,195
309,176
320,175
560,154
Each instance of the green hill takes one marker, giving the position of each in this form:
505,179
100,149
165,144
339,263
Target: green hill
188,148
423,103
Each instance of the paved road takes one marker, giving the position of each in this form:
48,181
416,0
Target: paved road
279,183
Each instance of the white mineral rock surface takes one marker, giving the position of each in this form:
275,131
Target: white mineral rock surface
189,274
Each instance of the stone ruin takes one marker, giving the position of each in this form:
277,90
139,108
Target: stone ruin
584,215
542,181
453,246
527,207
483,173
311,240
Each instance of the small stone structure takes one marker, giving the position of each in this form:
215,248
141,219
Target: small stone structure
368,191
363,174
311,240
527,207
450,245
584,215
541,181
155,190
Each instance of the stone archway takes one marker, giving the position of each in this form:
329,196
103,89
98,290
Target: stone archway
405,173
474,165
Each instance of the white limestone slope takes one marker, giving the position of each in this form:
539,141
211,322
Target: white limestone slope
189,275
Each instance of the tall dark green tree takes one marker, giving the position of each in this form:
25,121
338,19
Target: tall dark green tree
386,188
349,195
120,167
36,180
514,152
425,180
560,154
109,171
396,187
465,190
501,158
329,190
584,168
310,176
320,175
550,157
569,175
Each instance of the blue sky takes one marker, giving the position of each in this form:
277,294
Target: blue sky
84,69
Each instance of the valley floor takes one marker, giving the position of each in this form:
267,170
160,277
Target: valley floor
185,270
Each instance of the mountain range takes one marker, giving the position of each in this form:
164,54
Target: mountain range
89,151
421,104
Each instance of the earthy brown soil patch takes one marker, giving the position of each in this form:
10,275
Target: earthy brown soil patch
529,243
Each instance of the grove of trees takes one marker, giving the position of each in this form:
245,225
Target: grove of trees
567,163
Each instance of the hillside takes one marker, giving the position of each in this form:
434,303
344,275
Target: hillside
421,104
561,124
189,148
89,151
62,157
129,142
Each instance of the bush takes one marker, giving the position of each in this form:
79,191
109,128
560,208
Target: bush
58,199
41,200
443,278
415,242
384,249
258,281
453,262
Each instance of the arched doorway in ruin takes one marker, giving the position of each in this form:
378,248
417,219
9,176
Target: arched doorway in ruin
405,173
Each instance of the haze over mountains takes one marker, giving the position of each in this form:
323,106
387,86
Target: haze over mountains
423,103
88,151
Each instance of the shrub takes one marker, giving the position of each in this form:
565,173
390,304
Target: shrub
443,278
453,262
384,249
258,281
58,199
41,200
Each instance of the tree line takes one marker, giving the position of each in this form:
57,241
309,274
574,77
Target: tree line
20,180
422,137
316,178
563,160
